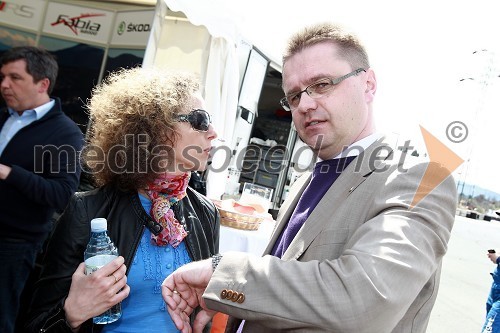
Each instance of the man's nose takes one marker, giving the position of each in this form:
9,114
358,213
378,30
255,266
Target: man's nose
4,82
306,103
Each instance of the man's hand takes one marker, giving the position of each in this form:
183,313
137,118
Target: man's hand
4,171
493,257
182,291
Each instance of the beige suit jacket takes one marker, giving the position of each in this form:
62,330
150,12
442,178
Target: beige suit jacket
364,261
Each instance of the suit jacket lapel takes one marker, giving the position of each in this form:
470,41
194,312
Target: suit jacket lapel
4,114
353,176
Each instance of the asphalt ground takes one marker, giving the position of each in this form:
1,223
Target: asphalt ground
465,278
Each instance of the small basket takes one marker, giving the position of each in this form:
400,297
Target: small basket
239,220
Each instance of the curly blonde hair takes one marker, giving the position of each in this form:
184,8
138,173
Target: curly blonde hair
350,47
132,116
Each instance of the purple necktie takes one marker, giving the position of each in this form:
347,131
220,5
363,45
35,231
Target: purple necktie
323,176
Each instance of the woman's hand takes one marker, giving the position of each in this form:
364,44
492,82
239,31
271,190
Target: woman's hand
91,295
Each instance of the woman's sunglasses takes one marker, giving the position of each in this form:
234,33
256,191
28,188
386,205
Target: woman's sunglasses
199,119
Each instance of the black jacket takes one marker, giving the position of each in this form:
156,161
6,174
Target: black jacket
44,157
126,222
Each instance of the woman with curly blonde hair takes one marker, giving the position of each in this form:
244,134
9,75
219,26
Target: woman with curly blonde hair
148,132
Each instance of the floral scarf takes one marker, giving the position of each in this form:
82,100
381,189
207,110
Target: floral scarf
165,191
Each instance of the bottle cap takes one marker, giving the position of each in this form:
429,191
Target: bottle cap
99,224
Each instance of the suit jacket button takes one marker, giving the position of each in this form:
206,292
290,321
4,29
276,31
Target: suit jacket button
241,298
235,296
223,293
229,294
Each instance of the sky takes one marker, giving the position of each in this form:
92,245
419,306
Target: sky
420,52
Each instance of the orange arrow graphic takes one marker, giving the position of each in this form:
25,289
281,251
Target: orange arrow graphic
443,162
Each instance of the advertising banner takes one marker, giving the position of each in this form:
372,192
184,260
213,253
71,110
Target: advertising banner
132,28
78,23
26,14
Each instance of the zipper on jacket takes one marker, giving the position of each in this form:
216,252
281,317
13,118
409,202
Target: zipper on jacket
43,330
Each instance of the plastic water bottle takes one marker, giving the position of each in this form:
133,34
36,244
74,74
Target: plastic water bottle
101,250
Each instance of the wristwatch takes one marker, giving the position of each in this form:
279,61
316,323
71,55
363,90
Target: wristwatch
215,260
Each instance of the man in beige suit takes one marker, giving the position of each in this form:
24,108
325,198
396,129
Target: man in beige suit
355,254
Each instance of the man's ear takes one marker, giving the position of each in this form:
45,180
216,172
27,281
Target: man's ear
43,85
371,85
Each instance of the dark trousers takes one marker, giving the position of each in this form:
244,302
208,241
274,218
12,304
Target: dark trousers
17,259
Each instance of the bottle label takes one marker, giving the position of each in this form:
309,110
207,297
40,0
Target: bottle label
92,264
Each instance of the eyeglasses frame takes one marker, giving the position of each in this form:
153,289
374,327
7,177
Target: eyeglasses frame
334,82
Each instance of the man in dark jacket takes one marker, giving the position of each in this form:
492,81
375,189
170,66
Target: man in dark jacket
39,167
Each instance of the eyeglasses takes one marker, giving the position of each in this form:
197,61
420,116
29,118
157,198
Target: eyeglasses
199,119
315,90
